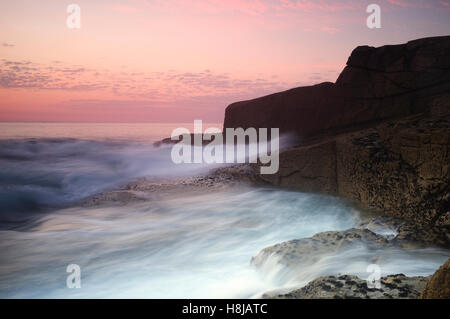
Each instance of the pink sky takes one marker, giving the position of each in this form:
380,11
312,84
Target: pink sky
180,60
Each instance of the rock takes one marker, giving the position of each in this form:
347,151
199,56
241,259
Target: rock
120,197
399,168
165,141
438,286
310,169
184,138
377,84
148,189
407,234
295,255
373,242
379,136
347,286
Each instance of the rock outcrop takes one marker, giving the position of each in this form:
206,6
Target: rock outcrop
380,135
301,261
438,286
377,84
400,168
379,235
351,287
297,253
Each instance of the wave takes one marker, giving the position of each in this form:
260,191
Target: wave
184,247
36,174
196,246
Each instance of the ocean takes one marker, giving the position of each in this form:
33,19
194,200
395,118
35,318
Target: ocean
186,246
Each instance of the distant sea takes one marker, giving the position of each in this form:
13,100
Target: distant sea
48,164
137,132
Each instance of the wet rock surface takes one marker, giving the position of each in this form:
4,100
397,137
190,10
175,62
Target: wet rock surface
299,252
351,287
398,169
372,241
147,189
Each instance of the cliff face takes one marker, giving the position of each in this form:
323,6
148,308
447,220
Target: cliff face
380,135
377,84
399,167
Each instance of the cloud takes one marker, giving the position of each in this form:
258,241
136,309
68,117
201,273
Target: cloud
104,94
330,30
411,3
161,86
124,8
254,7
7,45
317,5
26,74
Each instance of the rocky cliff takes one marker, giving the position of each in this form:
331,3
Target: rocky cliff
377,84
380,135
400,168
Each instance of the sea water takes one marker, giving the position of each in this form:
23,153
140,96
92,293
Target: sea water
196,246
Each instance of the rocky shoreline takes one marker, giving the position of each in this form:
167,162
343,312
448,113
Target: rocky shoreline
380,137
351,287
374,232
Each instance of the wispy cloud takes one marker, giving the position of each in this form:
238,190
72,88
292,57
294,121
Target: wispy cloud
124,8
330,30
412,3
7,45
158,86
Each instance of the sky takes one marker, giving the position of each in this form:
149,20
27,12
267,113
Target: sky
180,60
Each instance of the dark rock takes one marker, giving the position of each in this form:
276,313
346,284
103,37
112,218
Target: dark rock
399,168
350,287
377,84
183,138
380,135
297,253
